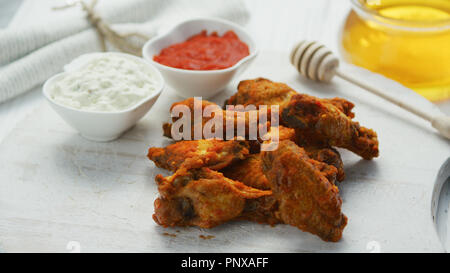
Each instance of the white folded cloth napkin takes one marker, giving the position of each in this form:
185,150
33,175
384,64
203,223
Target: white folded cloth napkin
35,50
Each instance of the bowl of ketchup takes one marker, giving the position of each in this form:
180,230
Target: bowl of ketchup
199,57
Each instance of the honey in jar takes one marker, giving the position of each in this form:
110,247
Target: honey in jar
405,40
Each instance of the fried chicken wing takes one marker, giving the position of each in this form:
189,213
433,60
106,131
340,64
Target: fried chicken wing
306,198
249,119
321,121
261,91
215,154
200,197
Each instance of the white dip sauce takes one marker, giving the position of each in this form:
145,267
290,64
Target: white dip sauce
107,83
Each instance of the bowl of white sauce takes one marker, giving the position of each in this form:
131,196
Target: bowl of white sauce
102,95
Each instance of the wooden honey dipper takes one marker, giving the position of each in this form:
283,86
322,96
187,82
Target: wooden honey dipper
314,61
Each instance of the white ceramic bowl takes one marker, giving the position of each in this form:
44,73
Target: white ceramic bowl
101,126
198,83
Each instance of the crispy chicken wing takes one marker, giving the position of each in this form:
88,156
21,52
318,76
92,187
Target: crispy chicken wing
320,121
215,154
323,122
200,197
306,198
234,118
262,91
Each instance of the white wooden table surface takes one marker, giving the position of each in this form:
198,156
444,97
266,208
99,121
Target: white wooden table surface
276,25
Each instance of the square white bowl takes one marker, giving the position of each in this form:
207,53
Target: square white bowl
96,125
198,83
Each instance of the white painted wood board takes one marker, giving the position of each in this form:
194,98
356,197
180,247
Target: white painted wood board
56,187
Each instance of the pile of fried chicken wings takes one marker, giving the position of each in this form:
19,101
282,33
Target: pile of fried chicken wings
216,181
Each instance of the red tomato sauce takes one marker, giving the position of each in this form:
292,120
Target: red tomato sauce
204,52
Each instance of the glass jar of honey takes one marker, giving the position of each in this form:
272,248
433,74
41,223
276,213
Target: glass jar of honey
405,40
